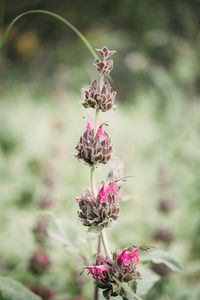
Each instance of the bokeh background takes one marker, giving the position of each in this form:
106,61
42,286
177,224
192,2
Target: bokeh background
155,131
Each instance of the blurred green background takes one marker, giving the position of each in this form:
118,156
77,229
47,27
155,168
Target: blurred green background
155,131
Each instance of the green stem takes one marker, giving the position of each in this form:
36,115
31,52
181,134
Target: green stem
92,180
54,15
96,119
105,244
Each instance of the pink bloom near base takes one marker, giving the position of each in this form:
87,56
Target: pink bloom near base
97,271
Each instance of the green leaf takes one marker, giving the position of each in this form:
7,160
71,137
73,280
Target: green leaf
148,279
13,290
128,291
158,256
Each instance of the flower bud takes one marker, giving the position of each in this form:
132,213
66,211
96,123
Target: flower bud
41,230
96,97
39,262
94,148
43,291
97,213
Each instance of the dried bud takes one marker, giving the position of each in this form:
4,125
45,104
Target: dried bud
41,230
94,147
104,66
43,291
111,274
164,235
46,201
39,262
166,205
97,213
105,52
95,97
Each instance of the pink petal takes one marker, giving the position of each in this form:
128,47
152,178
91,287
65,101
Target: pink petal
101,133
89,125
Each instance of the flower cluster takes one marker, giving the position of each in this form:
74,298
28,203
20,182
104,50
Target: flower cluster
111,274
95,97
98,212
94,147
98,209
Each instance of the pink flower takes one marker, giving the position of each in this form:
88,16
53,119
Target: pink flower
101,133
97,271
102,195
111,188
89,198
127,256
108,189
89,125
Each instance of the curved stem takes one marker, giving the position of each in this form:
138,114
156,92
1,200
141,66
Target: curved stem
105,244
54,15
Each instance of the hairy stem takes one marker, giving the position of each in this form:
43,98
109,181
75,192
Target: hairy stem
96,119
96,290
105,244
94,191
93,181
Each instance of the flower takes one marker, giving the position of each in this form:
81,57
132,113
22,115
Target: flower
129,256
39,262
97,97
98,212
110,188
113,272
97,271
89,126
100,134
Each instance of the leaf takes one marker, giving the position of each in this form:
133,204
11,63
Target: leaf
158,256
13,290
128,291
148,279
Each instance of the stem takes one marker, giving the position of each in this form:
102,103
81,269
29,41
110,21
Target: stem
54,15
94,191
96,290
105,244
96,119
93,183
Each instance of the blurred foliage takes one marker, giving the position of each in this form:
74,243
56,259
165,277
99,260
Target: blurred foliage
155,132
